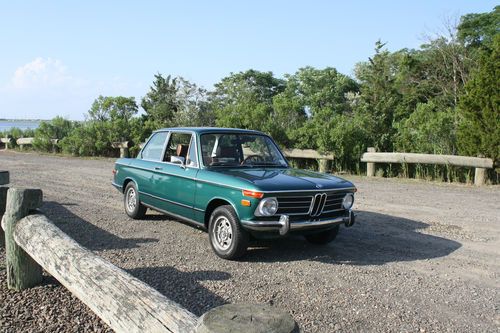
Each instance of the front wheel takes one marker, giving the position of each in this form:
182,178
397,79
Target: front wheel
323,237
133,207
227,238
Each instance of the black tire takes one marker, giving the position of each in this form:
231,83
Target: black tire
133,207
323,237
227,237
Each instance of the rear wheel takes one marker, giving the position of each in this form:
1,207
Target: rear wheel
323,237
227,238
133,207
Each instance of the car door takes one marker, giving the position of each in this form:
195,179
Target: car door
175,176
144,166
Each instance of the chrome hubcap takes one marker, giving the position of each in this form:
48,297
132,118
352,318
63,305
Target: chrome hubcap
223,233
131,200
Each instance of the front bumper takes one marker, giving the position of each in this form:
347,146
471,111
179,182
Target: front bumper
283,226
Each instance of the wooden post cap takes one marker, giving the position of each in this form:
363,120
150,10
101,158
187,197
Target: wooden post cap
249,318
4,177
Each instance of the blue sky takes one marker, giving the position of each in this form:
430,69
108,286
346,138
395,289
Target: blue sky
58,56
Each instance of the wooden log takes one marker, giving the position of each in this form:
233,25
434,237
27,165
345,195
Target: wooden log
464,161
480,176
24,141
248,318
125,303
370,166
22,271
307,153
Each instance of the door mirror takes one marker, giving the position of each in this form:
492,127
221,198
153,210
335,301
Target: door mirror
177,160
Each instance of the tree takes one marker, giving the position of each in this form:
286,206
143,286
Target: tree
479,30
479,131
161,102
58,128
245,100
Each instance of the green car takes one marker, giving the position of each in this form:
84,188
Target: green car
234,183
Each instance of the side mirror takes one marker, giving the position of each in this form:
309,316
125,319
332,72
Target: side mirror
177,160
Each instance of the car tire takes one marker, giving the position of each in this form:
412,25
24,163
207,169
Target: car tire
227,237
133,207
323,237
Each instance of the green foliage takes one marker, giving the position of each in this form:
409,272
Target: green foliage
109,120
477,30
479,131
427,130
245,100
57,128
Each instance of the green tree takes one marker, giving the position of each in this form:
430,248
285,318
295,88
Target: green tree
479,131
58,128
161,102
477,30
245,100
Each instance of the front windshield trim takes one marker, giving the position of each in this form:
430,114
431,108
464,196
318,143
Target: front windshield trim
238,134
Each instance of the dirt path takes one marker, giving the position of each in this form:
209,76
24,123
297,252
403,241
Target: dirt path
423,256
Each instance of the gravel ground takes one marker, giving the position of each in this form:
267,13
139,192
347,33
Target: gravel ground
423,257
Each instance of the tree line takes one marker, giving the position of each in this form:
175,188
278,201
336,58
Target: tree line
441,98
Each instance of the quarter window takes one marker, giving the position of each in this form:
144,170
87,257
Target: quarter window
154,148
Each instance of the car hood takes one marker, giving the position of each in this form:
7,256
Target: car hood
287,179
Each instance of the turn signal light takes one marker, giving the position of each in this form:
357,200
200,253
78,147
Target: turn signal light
246,203
253,194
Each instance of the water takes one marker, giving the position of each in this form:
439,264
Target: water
6,125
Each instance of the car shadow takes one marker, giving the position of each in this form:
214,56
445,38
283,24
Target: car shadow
86,233
375,239
187,290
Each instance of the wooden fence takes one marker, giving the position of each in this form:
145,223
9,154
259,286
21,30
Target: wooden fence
480,164
122,301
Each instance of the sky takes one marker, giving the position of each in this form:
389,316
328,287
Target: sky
58,56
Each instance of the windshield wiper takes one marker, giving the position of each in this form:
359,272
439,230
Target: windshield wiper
268,164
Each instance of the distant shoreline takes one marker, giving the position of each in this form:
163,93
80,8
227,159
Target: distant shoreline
23,120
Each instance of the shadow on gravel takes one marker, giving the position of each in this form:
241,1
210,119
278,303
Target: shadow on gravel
183,287
84,232
375,239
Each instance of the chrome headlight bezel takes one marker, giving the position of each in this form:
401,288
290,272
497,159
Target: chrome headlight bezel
348,201
267,207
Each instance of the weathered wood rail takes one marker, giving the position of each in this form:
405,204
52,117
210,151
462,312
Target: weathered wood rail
125,303
480,164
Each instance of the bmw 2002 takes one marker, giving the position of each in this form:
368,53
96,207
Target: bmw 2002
234,183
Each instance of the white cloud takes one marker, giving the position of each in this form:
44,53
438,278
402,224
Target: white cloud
43,73
45,87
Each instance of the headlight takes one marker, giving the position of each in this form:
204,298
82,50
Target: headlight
348,201
267,207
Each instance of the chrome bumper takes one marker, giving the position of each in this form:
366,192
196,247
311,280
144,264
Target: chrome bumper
284,225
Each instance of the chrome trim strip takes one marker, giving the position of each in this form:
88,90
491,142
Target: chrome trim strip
276,225
170,201
186,219
164,173
316,190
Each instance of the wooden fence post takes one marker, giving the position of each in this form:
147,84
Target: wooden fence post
370,167
480,176
22,271
4,179
323,165
255,318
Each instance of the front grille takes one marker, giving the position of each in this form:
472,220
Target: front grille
314,205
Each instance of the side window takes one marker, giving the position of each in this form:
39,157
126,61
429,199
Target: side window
181,145
154,148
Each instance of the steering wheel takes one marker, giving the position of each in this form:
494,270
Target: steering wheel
256,158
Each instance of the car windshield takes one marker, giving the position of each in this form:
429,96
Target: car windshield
240,150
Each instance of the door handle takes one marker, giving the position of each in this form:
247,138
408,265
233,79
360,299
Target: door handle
158,168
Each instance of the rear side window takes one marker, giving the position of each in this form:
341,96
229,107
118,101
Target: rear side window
154,149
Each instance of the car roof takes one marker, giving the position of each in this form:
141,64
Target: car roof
202,130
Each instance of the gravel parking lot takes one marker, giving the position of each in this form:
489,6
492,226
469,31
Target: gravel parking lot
423,257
